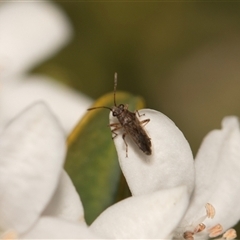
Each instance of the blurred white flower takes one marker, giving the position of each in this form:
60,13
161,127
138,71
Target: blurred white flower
213,207
37,198
37,31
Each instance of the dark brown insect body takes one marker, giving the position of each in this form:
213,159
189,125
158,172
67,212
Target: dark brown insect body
130,123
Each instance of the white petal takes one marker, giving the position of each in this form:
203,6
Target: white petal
32,151
148,216
217,175
54,228
169,165
66,203
68,105
30,32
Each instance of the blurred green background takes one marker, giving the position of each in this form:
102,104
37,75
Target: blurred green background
183,58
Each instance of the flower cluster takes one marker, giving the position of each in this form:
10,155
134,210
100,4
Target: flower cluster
38,199
173,195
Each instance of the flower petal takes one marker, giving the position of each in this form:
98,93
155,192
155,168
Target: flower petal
217,176
147,216
169,165
54,228
37,30
67,104
66,203
32,151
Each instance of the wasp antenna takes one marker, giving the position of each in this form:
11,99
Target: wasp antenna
115,88
89,109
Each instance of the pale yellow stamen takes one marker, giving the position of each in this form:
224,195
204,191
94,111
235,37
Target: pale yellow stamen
215,231
230,234
200,227
188,235
210,210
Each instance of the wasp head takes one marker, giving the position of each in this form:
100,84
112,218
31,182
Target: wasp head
117,110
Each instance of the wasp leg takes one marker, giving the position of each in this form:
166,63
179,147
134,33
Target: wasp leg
123,136
145,122
139,115
116,126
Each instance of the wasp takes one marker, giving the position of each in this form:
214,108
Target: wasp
129,122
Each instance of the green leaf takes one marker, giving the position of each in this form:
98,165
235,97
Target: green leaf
92,160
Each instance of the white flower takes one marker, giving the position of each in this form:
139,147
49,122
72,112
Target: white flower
217,168
149,216
37,31
38,200
34,185
217,182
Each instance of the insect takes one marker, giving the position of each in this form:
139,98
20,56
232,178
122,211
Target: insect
129,122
